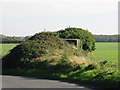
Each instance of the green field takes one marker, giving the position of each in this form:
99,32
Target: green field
4,48
104,51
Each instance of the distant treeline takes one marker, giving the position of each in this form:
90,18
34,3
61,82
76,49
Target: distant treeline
9,39
99,38
107,38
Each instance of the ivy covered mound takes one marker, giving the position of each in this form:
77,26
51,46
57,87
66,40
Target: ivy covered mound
41,50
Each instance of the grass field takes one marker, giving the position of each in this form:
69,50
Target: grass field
106,51
4,48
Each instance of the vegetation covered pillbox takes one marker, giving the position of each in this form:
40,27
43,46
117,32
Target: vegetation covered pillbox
87,40
62,55
49,44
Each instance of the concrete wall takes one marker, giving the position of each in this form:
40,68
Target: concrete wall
75,42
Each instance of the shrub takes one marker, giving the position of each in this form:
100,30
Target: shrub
87,39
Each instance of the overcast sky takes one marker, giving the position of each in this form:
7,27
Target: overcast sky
27,17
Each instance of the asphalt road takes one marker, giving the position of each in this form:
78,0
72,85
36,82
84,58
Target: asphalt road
23,82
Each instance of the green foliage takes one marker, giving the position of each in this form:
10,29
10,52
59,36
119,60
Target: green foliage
102,78
43,35
87,39
64,60
26,38
64,63
9,39
40,47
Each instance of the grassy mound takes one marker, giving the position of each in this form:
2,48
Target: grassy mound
41,50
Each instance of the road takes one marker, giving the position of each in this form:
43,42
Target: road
24,82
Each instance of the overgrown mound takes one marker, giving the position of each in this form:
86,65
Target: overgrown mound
41,49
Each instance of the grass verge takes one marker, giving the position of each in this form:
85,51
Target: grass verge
103,78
